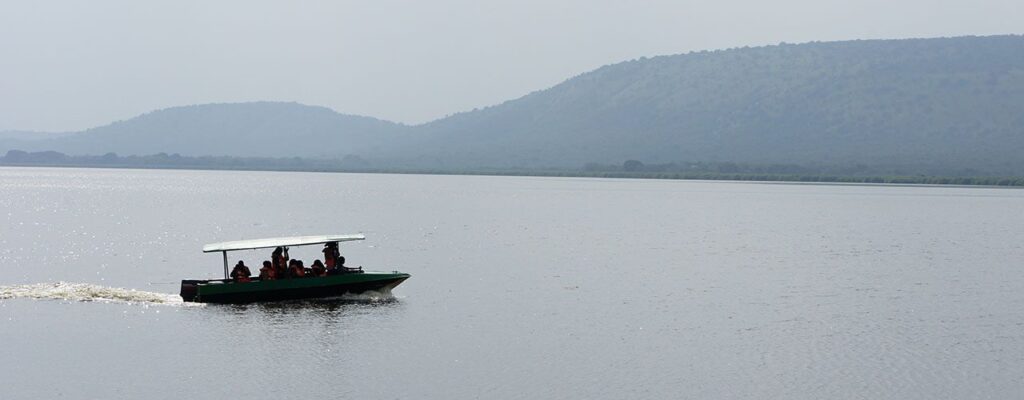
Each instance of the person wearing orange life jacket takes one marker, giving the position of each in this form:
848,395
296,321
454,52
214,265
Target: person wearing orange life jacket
267,273
318,268
241,273
279,260
331,254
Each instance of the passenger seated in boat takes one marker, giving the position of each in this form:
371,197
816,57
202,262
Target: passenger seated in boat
267,273
318,269
340,268
337,267
241,273
307,272
295,269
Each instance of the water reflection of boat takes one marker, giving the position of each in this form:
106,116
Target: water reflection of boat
336,285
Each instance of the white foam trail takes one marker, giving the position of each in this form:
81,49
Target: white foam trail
87,292
371,296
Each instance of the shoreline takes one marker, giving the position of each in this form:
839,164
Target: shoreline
767,179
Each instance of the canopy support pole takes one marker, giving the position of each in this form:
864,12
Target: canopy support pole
225,264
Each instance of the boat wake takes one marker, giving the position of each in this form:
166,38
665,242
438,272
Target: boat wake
85,292
382,295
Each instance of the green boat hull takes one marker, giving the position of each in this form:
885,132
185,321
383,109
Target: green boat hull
227,291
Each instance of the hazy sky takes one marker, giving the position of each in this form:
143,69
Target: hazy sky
70,65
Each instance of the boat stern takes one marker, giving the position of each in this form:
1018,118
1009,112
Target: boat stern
189,290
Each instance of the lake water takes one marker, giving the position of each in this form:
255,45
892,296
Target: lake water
521,288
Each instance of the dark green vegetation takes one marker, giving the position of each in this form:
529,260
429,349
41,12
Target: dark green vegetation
849,110
629,169
930,104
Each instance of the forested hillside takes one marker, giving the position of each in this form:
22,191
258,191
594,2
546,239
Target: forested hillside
955,102
939,106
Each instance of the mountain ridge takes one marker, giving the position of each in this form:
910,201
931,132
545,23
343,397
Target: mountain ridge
940,101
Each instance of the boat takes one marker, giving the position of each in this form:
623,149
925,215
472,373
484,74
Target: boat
227,290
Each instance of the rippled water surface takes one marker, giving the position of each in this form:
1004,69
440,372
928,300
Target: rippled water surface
521,288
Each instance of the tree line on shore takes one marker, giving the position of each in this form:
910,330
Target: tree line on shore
630,169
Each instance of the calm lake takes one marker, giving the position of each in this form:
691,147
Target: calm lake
521,288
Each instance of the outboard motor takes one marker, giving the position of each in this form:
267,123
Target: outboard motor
189,290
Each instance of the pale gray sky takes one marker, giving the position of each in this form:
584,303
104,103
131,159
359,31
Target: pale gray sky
70,65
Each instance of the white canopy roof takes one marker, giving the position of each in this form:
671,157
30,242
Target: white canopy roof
275,242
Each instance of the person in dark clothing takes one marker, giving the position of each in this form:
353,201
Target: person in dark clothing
279,256
279,259
318,268
241,273
338,266
295,269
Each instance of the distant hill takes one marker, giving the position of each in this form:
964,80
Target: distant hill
30,135
263,129
956,102
930,105
27,139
